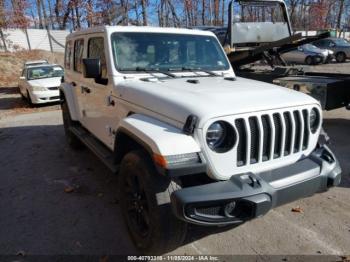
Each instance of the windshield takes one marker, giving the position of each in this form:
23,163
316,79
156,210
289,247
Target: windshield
341,42
167,52
44,72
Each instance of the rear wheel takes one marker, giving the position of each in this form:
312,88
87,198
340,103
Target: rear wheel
340,57
309,60
145,204
72,140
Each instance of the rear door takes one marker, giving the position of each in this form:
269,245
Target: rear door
72,70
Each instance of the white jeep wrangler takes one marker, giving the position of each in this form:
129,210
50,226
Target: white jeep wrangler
190,141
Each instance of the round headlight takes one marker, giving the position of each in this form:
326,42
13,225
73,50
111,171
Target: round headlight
314,120
220,136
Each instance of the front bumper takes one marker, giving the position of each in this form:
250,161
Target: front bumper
40,97
247,196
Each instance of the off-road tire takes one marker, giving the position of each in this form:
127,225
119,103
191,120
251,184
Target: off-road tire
340,57
164,231
71,139
309,60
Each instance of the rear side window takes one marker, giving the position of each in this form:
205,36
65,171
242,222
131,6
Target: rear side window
96,50
68,55
78,55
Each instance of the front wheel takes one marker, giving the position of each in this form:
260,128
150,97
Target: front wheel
340,57
309,60
145,204
30,102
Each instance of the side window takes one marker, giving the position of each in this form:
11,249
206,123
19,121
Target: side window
96,50
68,55
78,55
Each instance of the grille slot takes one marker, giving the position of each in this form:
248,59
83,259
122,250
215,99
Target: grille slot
254,140
306,128
242,142
298,130
288,140
278,135
271,136
266,152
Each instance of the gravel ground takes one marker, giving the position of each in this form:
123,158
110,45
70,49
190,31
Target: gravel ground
39,217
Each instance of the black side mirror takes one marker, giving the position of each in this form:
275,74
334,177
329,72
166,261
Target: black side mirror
92,68
62,79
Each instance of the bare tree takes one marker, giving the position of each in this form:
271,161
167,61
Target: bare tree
38,8
3,23
340,13
144,6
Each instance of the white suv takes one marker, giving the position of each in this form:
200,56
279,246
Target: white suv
190,141
40,81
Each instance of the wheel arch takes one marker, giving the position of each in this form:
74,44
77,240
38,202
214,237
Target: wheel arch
125,142
66,94
155,137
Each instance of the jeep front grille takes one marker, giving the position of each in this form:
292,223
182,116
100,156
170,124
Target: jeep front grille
271,136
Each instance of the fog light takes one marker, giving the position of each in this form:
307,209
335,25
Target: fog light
229,208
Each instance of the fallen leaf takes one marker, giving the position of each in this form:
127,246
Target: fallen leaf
297,209
100,194
69,189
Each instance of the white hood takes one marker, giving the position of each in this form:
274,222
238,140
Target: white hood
209,98
46,82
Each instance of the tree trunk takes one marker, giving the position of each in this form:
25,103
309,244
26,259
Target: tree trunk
44,14
341,7
38,8
3,40
89,13
176,19
203,12
144,12
125,8
66,15
77,15
58,7
46,25
223,13
216,12
50,13
73,18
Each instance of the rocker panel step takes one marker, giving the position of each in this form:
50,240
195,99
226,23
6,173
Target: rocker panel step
100,150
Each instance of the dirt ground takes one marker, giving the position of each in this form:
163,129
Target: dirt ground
38,217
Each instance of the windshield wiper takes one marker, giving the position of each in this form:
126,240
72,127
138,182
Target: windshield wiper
149,70
195,70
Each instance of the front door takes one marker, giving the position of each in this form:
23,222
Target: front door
99,111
